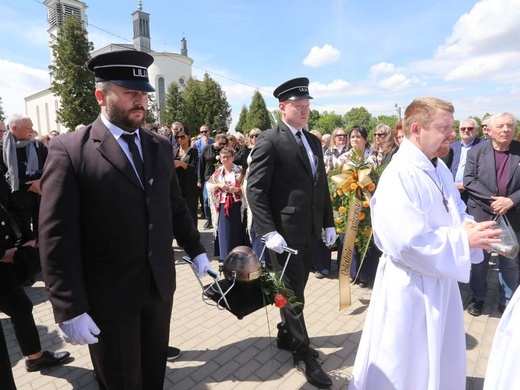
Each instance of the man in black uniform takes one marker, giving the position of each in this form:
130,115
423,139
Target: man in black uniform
288,194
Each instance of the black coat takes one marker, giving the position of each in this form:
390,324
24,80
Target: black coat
281,191
104,238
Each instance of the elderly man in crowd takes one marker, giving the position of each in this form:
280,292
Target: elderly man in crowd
468,130
492,179
3,130
22,163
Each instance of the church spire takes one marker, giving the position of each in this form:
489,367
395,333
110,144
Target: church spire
141,21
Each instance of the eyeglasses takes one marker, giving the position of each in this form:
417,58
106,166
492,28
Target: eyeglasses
341,135
466,128
177,137
379,134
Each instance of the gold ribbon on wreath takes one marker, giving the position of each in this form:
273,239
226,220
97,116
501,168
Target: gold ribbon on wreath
358,180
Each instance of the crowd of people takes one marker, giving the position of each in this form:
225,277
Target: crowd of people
111,285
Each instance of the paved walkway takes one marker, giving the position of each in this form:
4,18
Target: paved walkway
221,352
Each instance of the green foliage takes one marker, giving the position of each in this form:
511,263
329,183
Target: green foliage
72,81
152,110
357,116
2,113
329,121
276,116
201,102
314,117
272,284
258,115
173,105
241,124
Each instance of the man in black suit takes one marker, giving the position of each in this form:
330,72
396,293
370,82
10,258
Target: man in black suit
468,130
288,195
111,206
492,179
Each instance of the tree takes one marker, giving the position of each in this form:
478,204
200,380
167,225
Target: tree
2,113
314,117
329,121
258,116
204,103
72,81
173,105
357,116
242,120
152,110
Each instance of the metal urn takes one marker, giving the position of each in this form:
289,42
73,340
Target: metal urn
242,265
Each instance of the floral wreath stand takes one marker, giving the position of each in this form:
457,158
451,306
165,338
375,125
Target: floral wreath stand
241,298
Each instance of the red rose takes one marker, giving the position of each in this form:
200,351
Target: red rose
280,301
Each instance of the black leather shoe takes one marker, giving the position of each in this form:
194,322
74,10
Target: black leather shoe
283,342
48,358
501,308
475,307
315,375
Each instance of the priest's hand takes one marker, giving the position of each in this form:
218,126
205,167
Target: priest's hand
482,234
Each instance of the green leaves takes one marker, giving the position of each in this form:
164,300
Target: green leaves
72,81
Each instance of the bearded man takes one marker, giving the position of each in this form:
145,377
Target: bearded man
111,207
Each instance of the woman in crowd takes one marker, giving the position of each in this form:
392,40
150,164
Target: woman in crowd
246,147
338,145
398,133
225,196
185,160
360,151
385,144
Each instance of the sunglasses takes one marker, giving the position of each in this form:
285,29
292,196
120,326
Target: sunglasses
341,135
222,143
379,134
177,137
253,136
203,131
466,128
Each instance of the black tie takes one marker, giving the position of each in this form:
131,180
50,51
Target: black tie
136,157
300,141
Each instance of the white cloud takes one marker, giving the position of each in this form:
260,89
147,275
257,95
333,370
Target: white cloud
338,87
381,68
21,81
397,82
321,56
483,45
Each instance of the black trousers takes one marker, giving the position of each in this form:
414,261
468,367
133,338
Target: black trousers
30,204
17,305
6,374
132,351
295,278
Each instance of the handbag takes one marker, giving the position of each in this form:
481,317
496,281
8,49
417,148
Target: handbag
509,246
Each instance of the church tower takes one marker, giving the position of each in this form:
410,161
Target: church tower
57,10
141,22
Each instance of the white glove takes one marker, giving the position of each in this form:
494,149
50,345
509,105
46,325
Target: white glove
330,236
201,264
80,330
275,242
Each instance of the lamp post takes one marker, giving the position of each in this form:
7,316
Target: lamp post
398,109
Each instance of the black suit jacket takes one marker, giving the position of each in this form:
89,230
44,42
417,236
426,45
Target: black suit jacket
282,193
103,238
480,181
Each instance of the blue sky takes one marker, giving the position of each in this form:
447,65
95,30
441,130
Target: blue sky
373,54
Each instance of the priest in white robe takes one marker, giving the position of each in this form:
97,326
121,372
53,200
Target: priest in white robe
413,337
